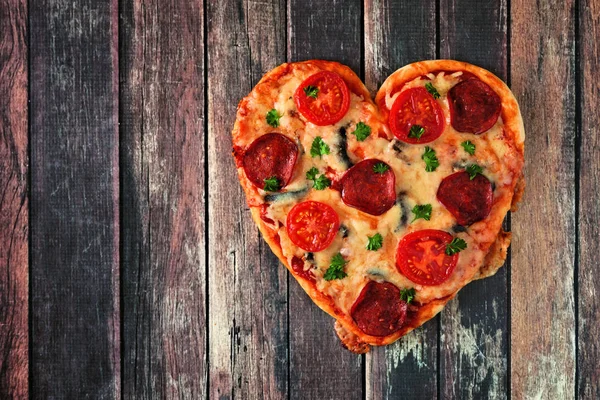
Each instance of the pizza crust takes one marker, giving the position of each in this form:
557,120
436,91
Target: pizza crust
244,133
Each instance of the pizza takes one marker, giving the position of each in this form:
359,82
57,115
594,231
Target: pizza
381,210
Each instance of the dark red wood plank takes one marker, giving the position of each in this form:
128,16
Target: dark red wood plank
543,252
474,326
588,384
247,286
74,200
163,197
14,201
319,367
396,34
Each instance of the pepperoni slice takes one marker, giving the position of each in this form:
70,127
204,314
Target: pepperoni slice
379,311
271,155
421,257
366,189
298,267
416,106
312,226
468,200
328,101
474,106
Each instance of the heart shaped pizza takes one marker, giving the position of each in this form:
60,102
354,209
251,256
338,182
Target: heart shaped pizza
383,210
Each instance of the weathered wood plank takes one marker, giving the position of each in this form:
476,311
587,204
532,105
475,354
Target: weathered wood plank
330,31
474,326
247,287
396,34
542,315
75,325
163,194
589,213
14,201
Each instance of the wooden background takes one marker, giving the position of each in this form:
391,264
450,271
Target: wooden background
129,264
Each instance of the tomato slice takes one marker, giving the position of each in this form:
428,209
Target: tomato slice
331,102
416,107
312,226
421,257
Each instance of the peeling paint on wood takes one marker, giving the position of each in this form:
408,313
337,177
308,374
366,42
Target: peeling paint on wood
14,202
543,327
247,287
162,181
588,384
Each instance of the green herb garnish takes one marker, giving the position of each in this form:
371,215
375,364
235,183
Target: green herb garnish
431,89
375,242
319,147
271,184
431,160
273,118
407,294
380,168
422,211
455,246
311,91
473,170
416,131
469,147
362,131
336,268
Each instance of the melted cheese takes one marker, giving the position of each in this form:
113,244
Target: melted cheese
413,185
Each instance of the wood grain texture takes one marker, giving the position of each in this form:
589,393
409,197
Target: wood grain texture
542,77
75,327
474,326
247,287
589,213
330,31
163,198
14,201
396,34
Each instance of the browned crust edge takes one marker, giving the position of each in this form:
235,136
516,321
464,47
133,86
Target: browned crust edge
497,253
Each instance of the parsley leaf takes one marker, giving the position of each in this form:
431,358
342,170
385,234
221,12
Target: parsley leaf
473,170
431,160
375,242
407,294
319,147
380,168
320,181
312,173
362,131
271,184
273,118
431,89
416,131
422,211
311,91
469,147
336,268
455,246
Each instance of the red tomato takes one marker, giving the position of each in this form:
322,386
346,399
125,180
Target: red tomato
422,258
312,225
331,102
416,107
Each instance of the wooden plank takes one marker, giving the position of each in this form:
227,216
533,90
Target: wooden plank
330,31
163,192
14,201
588,384
408,368
543,253
474,326
75,326
247,287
